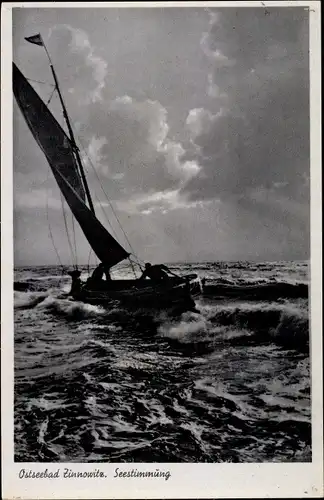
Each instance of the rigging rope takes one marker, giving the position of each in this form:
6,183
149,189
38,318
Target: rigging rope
112,209
50,232
132,266
74,241
107,198
43,83
95,260
52,239
50,98
106,217
88,267
67,232
139,262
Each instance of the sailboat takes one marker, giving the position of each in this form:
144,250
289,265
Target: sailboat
62,154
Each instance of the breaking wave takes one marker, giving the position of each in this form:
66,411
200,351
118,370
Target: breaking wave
71,309
28,300
285,324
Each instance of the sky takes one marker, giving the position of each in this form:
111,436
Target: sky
196,121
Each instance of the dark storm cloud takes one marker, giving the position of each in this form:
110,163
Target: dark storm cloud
258,133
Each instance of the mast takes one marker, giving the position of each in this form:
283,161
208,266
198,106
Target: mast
72,139
38,40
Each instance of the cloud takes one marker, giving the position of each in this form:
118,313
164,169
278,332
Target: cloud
160,201
200,121
82,61
258,131
128,141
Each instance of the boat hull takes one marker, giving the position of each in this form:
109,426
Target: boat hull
175,293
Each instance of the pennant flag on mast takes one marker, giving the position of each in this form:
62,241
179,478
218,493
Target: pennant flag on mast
37,39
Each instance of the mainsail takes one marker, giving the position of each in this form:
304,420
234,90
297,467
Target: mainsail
58,150
48,133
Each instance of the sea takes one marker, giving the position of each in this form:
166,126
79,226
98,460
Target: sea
230,383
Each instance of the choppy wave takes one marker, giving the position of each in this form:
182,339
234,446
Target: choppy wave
255,291
228,384
71,309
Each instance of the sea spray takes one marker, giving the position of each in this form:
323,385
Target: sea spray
190,326
71,309
27,300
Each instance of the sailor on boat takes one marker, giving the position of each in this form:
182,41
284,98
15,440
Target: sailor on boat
96,281
156,273
76,282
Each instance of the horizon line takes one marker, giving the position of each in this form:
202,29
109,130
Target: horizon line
173,262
